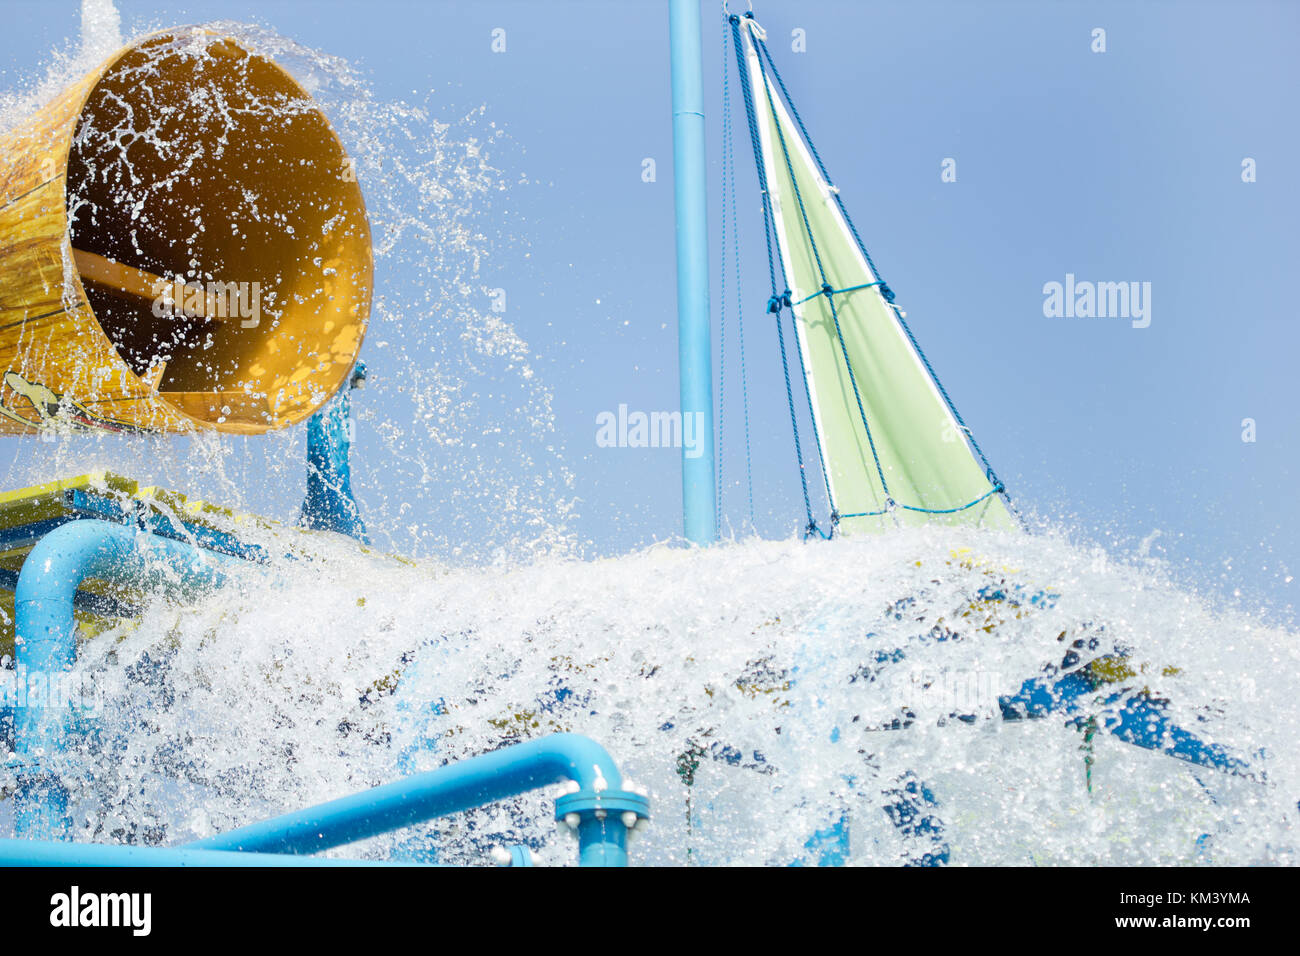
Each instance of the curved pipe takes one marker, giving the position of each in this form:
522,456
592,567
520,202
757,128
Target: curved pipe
45,645
436,793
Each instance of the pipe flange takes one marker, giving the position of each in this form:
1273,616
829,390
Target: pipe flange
574,809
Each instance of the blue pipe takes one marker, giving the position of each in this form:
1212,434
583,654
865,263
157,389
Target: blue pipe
45,645
693,334
57,853
596,810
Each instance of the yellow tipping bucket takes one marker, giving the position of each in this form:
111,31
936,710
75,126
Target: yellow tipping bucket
183,244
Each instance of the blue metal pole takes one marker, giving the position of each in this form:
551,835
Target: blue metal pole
45,644
693,334
597,810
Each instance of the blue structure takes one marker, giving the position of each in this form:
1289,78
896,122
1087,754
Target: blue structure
330,504
1131,717
46,644
693,331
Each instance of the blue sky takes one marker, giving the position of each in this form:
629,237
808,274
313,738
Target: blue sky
1116,166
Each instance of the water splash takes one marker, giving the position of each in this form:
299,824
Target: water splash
101,29
775,667
764,673
457,455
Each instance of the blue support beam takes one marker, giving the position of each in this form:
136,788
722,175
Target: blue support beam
694,344
330,504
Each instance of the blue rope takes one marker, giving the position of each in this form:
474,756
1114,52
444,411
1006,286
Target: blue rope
728,194
996,489
807,390
827,288
885,291
803,130
740,331
811,526
827,291
778,300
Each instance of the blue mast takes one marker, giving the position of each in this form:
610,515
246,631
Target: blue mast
693,333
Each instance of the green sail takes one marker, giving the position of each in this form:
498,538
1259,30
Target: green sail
922,452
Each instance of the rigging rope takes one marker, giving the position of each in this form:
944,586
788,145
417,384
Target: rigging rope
728,197
722,300
779,302
760,36
827,288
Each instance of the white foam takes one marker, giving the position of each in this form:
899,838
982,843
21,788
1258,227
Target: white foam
280,695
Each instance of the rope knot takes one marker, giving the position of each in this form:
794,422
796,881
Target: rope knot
779,302
759,33
887,292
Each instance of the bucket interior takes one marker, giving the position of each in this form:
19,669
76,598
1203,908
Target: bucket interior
219,234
